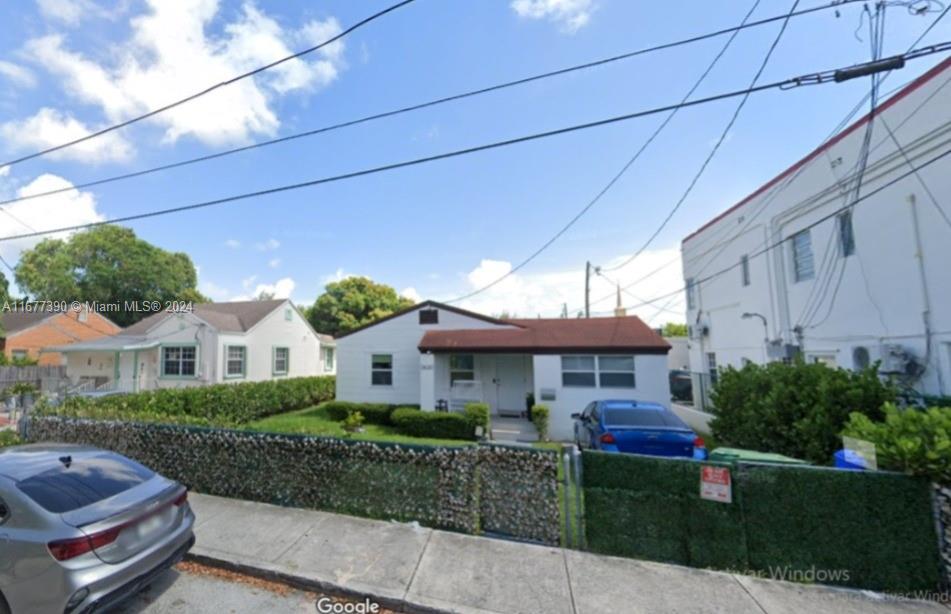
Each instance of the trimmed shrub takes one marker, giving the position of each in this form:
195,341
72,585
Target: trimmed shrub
353,423
418,423
794,409
373,413
215,405
9,438
478,415
540,415
913,441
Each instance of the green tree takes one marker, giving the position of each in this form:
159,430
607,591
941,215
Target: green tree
352,302
674,329
108,264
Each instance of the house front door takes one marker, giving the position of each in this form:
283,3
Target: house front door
511,383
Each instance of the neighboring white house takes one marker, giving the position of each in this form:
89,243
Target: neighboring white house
435,355
846,286
678,359
214,343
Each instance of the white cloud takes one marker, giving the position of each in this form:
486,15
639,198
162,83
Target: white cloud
247,282
233,243
282,288
570,15
411,294
49,127
64,209
16,74
532,294
274,263
266,246
337,275
169,56
70,12
214,291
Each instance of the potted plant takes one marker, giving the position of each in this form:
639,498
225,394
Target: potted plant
353,423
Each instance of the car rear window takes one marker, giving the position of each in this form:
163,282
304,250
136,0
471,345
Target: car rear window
83,481
640,417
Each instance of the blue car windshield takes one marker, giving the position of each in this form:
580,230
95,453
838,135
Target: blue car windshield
640,417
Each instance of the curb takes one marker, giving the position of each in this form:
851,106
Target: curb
272,573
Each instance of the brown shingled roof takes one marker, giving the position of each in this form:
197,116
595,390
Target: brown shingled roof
551,336
235,317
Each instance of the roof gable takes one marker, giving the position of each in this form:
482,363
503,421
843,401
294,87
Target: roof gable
433,304
235,317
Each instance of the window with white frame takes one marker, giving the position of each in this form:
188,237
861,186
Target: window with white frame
328,359
803,263
235,361
281,361
616,371
461,368
745,269
179,360
381,369
712,367
846,235
19,354
691,294
578,372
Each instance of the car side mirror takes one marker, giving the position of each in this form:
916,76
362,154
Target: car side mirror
575,416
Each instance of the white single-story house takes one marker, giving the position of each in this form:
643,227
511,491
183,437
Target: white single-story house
211,344
435,355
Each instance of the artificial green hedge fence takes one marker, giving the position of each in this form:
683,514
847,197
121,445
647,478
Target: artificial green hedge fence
866,530
508,490
216,405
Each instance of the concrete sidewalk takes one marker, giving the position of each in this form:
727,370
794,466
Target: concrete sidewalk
415,569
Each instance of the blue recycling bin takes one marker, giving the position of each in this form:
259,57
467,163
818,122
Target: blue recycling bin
849,460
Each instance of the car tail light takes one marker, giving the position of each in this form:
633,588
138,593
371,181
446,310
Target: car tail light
181,499
65,549
698,442
607,438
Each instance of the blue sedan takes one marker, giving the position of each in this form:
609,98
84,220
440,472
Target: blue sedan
636,428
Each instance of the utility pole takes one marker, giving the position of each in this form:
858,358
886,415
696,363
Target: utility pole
587,289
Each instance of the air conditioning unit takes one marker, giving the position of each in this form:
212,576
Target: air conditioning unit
777,350
894,359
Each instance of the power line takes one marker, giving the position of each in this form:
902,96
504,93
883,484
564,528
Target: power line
789,180
423,105
822,219
713,152
210,89
617,176
816,78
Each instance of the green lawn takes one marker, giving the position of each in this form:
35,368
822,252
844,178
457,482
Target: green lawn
315,421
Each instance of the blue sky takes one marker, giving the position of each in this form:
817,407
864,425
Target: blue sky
433,231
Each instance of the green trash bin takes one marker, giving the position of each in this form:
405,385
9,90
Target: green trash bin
734,455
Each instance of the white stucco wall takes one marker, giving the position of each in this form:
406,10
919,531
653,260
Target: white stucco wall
89,364
896,279
650,379
273,331
399,336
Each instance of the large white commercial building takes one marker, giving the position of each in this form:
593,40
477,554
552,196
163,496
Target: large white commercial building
844,285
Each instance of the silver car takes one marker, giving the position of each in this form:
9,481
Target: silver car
81,528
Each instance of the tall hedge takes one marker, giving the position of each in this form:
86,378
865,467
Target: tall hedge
795,409
860,529
215,405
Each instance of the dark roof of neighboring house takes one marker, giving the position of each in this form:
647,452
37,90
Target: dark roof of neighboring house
437,305
15,321
551,336
18,320
236,317
911,87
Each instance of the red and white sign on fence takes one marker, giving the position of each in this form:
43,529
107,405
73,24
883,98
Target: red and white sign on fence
715,484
